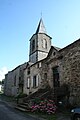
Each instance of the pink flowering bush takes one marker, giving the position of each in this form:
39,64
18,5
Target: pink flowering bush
44,106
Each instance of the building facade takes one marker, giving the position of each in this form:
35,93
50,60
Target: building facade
13,83
47,65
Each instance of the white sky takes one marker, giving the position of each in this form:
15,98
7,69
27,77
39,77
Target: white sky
3,71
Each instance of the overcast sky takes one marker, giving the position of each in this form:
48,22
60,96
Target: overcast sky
19,20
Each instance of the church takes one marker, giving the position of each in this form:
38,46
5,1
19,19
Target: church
47,66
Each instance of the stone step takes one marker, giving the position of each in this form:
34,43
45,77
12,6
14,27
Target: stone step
26,104
23,106
21,109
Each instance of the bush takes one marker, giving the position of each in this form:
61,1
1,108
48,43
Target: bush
21,95
44,106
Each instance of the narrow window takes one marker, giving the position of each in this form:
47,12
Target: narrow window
45,76
28,71
33,45
39,65
19,78
56,82
15,80
44,43
34,81
54,53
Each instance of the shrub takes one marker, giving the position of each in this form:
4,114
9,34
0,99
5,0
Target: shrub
44,106
21,95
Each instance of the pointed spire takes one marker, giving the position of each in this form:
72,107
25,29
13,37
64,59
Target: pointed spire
41,27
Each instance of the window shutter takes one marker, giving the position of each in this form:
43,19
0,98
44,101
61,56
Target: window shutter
40,64
28,81
31,81
37,81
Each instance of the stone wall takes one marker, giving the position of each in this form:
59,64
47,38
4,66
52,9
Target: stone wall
34,70
48,64
68,61
12,81
70,69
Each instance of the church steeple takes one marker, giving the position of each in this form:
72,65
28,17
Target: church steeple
40,44
41,27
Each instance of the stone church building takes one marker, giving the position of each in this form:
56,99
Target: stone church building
47,66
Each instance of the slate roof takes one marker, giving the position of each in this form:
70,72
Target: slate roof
57,48
41,27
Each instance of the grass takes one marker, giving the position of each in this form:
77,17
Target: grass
51,117
7,98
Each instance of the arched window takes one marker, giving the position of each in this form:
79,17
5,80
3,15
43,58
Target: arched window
44,43
33,45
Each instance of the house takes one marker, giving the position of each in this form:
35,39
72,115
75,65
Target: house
13,83
47,65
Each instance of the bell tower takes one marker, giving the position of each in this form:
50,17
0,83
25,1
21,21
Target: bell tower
40,44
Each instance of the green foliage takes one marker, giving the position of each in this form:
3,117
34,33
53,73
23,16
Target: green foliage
51,117
21,95
0,82
7,98
36,100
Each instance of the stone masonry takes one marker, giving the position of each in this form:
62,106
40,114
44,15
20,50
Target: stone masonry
47,65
